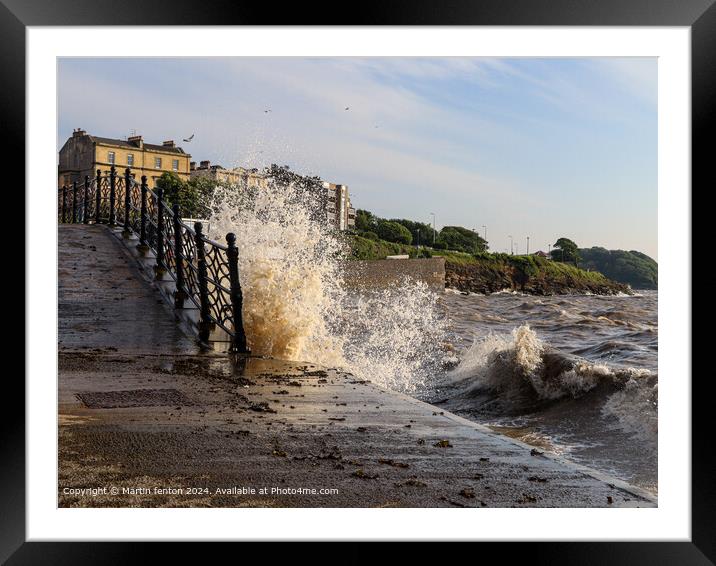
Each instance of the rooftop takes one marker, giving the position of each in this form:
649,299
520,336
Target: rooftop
133,142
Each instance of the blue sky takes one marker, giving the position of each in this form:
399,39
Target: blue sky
528,147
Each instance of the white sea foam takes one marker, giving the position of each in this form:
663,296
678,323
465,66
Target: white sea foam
510,364
502,363
635,408
295,303
453,291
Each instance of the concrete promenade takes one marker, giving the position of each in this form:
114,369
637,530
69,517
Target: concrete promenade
149,420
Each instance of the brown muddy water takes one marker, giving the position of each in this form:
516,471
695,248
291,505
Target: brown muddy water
574,375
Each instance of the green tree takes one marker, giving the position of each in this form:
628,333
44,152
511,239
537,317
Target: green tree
568,251
462,240
202,190
422,233
283,175
366,221
178,191
631,267
394,232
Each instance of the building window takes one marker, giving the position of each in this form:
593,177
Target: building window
110,157
157,162
130,159
175,165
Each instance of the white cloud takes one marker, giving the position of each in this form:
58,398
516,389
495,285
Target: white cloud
397,146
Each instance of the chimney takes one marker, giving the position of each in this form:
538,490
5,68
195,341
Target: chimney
76,133
192,166
169,143
136,140
204,164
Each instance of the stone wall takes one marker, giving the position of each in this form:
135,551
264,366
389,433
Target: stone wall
383,272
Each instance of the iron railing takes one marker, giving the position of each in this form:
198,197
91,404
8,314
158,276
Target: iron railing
205,272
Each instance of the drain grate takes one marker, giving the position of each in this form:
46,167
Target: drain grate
132,398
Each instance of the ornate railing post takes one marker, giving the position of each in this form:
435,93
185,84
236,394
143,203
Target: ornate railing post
64,204
205,324
127,201
179,294
85,207
160,268
74,202
237,300
98,197
112,195
142,246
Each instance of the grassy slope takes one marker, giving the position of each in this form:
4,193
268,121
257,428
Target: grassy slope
488,273
363,248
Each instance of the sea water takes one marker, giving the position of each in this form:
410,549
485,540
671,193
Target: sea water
575,375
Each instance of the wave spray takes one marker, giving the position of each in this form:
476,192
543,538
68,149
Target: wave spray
297,306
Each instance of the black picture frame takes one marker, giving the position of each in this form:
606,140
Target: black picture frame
699,15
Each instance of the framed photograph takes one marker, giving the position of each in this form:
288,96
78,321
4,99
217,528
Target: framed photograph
408,277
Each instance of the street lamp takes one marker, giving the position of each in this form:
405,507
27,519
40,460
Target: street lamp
433,215
528,245
512,247
485,229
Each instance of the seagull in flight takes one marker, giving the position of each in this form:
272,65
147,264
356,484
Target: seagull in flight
348,107
191,137
267,111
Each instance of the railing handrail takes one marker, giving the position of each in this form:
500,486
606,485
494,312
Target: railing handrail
204,237
212,284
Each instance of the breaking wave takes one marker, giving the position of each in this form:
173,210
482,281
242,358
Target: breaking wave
295,303
524,373
298,307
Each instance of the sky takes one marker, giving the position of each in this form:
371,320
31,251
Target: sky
521,147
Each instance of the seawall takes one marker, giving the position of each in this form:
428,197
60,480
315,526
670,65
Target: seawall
383,272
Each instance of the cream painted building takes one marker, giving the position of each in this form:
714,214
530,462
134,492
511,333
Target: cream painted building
339,211
235,176
83,154
333,205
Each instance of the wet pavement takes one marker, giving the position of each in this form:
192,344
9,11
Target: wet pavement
146,419
104,301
